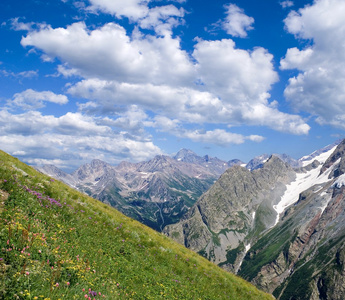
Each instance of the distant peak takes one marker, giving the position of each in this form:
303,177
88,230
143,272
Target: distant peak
184,152
98,162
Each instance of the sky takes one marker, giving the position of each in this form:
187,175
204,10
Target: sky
127,80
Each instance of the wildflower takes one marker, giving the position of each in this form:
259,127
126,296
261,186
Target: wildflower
67,283
57,284
86,296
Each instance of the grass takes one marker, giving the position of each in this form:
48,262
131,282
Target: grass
266,250
59,244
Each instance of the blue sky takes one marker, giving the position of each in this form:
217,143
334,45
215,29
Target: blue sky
127,80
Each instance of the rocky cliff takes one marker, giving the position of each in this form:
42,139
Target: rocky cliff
283,229
229,216
157,192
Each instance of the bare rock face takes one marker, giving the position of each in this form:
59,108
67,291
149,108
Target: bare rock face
299,254
302,257
157,192
233,212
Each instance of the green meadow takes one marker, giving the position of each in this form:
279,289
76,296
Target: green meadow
57,243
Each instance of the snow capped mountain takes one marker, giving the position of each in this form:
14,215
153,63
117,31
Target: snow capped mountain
305,160
305,180
258,161
276,225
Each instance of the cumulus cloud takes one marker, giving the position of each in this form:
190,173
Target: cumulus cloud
132,9
131,82
109,53
218,137
159,18
237,23
234,74
162,19
234,80
30,99
73,137
319,87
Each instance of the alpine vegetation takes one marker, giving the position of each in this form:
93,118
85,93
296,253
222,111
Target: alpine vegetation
57,243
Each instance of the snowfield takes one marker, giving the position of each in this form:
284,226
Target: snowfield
303,182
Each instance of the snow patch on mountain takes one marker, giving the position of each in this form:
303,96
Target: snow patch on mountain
303,182
339,182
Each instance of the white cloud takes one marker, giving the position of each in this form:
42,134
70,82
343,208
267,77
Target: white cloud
217,136
263,115
296,59
234,80
127,78
319,88
73,137
108,53
30,99
237,76
162,19
286,4
23,74
18,26
183,103
237,23
133,9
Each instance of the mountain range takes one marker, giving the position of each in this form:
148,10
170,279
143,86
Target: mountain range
275,221
157,192
282,228
58,243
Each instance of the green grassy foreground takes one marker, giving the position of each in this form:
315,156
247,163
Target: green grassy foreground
56,243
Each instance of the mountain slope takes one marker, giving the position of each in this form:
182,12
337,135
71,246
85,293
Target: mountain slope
309,241
278,227
222,221
157,192
58,243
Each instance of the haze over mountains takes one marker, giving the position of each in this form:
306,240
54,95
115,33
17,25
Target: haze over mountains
275,221
156,192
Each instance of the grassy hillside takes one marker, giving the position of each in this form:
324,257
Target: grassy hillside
56,243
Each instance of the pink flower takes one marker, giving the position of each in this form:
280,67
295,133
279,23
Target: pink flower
67,283
86,296
57,284
83,290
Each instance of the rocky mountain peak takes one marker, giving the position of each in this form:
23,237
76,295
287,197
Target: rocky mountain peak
158,163
183,153
96,168
338,156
